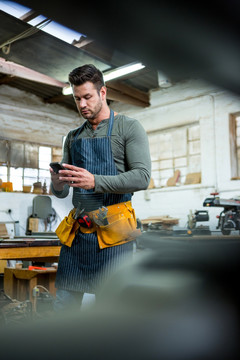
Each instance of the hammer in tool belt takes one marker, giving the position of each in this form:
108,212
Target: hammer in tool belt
83,219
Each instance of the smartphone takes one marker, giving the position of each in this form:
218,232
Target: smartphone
56,166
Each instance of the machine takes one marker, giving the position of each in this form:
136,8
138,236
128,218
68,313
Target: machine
193,219
229,217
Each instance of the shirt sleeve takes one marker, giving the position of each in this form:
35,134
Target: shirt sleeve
60,194
138,161
65,159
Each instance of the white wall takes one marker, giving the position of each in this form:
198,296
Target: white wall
181,104
24,116
21,206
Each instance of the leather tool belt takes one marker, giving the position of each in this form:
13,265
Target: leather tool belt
120,226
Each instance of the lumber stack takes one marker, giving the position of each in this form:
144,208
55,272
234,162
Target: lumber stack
164,222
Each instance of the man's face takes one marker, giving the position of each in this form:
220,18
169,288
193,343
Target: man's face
88,100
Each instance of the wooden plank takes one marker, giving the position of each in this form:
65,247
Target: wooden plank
193,178
82,42
12,69
165,219
51,283
9,283
6,79
25,274
29,252
3,264
56,99
128,90
172,181
32,283
115,95
3,231
28,16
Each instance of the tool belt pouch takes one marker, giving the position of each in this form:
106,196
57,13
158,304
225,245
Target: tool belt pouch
121,228
66,230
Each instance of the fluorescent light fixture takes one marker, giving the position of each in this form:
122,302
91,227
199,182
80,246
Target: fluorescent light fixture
112,74
123,70
67,90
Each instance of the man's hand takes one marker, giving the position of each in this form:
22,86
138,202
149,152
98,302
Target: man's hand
57,183
77,177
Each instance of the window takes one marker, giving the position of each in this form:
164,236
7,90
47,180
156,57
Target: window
234,132
25,163
175,149
3,173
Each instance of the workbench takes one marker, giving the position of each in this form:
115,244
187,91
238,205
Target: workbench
19,283
30,249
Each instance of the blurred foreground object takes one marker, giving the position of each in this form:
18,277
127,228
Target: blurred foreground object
177,300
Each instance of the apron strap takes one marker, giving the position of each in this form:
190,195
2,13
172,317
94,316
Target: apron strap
78,132
110,125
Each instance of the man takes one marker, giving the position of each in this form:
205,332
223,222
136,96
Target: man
105,161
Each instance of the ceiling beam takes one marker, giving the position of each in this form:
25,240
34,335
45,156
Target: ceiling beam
6,79
55,99
11,69
116,95
83,41
119,91
128,90
28,16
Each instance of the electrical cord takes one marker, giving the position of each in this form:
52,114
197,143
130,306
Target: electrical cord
49,221
35,295
52,218
34,29
42,287
16,221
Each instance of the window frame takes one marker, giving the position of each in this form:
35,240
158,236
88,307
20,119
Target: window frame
174,158
54,150
235,168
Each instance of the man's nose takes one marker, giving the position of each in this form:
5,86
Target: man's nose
82,103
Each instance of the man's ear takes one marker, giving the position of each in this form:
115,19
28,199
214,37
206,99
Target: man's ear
103,92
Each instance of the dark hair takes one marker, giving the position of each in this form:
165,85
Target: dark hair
85,73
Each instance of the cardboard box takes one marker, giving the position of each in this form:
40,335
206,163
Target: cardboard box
33,224
3,232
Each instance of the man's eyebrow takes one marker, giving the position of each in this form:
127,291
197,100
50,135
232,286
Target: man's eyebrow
88,94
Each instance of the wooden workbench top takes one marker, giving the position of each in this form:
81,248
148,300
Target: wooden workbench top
31,253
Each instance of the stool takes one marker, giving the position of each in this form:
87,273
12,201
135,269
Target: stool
19,283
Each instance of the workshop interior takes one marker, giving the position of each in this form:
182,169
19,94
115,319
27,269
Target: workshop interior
179,297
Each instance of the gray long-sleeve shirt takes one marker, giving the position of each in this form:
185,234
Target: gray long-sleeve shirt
131,154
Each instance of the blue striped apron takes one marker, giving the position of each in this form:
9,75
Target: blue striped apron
83,266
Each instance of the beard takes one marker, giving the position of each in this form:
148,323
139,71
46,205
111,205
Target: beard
91,114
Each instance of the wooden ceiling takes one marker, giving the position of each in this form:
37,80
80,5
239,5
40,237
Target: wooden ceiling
181,41
40,63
